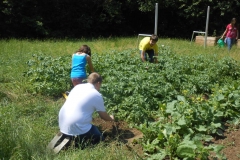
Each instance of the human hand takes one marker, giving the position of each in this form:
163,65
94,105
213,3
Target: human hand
112,116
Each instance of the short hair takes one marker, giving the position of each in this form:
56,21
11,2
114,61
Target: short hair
154,37
94,78
85,49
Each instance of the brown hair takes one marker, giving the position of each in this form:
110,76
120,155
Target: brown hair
94,78
85,49
154,37
234,19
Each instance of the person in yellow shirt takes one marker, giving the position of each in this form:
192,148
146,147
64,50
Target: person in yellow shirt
149,45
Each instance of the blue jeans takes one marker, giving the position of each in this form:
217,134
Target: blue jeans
92,137
230,42
150,55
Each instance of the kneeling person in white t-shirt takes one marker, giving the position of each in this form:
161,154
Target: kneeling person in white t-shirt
75,116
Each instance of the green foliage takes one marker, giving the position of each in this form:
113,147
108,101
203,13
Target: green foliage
49,76
171,92
178,103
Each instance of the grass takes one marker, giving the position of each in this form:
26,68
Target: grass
29,122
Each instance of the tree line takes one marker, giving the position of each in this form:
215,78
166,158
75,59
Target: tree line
105,18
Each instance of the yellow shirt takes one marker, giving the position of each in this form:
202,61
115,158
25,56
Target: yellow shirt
145,45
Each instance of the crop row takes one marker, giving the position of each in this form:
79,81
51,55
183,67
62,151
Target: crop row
178,103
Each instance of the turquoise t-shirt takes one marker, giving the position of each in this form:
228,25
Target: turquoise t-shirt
78,66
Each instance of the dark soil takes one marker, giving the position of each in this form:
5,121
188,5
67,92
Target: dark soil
120,131
231,141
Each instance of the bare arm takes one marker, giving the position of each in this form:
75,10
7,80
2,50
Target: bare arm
142,55
155,59
105,116
224,34
90,63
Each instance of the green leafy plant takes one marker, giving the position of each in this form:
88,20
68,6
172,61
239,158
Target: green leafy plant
48,75
166,101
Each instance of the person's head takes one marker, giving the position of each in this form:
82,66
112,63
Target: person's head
95,79
85,49
153,39
233,21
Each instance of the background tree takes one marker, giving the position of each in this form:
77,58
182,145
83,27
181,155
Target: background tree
90,18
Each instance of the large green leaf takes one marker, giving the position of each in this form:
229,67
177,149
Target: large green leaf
181,121
181,98
170,107
201,128
186,150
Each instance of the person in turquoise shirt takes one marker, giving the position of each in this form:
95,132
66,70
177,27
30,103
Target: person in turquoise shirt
148,45
80,59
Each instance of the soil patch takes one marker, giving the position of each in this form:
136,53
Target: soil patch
120,132
231,141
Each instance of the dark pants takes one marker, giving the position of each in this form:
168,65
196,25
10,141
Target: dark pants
92,137
150,54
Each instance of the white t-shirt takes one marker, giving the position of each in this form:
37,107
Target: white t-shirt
75,116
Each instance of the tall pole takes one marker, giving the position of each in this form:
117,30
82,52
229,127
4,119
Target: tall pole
206,29
156,19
